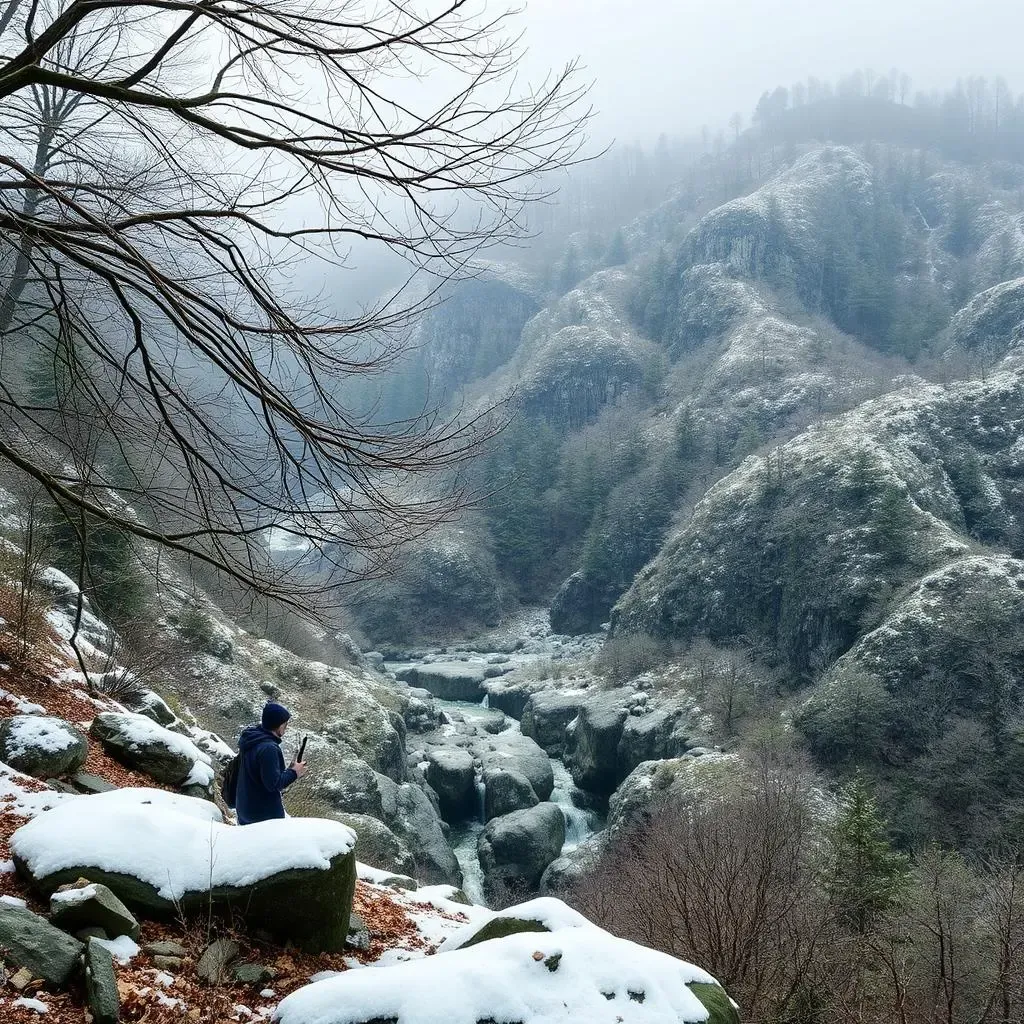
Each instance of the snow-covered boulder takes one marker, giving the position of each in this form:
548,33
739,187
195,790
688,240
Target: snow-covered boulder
139,742
42,746
164,854
515,849
563,971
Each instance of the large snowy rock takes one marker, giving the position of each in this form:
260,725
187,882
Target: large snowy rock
163,855
515,849
563,970
139,742
42,746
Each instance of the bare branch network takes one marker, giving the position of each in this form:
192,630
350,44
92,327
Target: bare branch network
166,170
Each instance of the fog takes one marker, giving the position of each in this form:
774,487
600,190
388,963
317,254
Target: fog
673,65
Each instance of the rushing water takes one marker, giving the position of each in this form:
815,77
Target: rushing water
579,824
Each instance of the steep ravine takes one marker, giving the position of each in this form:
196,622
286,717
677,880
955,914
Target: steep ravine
496,788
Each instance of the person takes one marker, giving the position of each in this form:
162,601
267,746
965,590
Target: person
262,776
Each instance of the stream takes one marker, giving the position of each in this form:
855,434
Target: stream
580,824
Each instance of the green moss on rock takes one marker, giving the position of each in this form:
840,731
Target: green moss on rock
717,1002
501,927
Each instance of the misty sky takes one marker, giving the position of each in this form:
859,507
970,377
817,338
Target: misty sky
672,65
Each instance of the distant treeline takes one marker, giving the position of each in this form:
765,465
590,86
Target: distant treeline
979,118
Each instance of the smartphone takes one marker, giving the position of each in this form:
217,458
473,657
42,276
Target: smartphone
302,748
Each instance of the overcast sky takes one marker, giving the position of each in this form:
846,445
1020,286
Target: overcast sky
672,65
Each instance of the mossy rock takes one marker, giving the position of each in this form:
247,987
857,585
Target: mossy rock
306,906
501,927
717,1002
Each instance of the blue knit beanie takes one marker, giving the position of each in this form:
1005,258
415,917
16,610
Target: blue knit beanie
274,715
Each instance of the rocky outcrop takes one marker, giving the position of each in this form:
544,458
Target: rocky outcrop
680,780
447,580
580,605
796,548
515,849
377,845
547,714
42,746
994,319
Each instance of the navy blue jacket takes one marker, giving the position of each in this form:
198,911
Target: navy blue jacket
261,776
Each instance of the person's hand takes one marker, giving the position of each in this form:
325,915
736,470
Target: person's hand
299,767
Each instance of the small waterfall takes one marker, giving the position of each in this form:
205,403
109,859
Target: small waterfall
463,840
486,702
579,824
481,791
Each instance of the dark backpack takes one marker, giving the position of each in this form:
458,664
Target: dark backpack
229,784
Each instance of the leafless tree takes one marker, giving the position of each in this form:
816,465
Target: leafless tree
167,168
728,883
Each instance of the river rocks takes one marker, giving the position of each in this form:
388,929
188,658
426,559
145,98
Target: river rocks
518,752
42,746
515,849
568,869
30,941
506,790
457,680
616,730
592,741
377,845
101,984
451,774
139,742
88,905
546,715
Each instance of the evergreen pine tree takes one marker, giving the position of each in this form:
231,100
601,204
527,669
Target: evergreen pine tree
867,874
